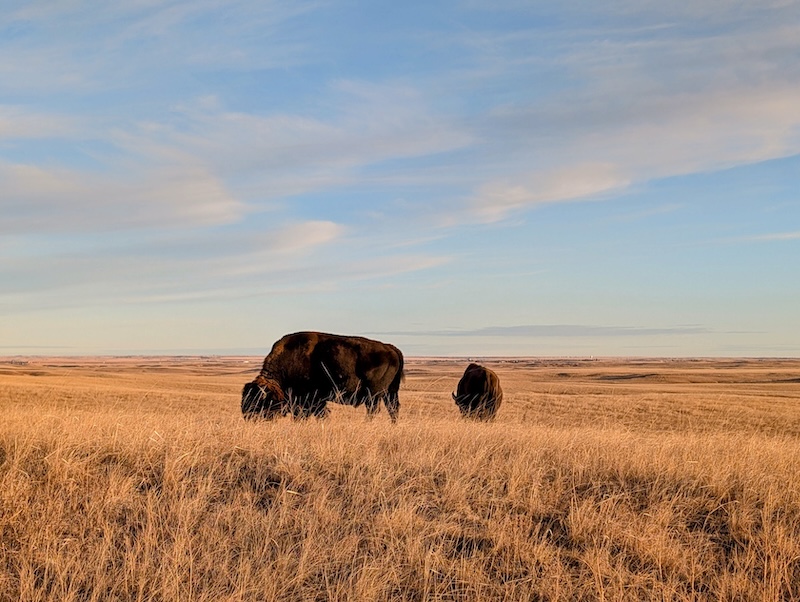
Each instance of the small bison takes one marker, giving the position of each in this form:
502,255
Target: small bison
479,394
306,370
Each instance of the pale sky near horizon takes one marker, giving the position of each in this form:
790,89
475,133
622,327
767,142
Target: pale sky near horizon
457,177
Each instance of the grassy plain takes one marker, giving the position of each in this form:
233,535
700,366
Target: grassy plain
137,479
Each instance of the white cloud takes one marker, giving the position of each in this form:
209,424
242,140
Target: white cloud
715,11
647,90
300,237
292,240
711,131
36,199
387,266
20,122
100,47
276,156
636,134
495,200
368,124
297,258
773,237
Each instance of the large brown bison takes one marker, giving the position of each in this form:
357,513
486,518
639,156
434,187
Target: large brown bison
306,370
479,394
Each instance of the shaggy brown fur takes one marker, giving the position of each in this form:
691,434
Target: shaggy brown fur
479,394
305,370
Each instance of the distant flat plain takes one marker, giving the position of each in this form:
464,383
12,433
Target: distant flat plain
136,478
752,395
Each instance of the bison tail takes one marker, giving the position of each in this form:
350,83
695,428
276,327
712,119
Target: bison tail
400,376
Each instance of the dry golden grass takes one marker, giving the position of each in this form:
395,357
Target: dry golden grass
137,479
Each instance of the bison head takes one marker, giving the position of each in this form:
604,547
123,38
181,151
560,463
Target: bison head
262,398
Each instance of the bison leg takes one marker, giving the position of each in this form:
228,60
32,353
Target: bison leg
321,412
302,407
392,403
306,413
317,407
373,405
299,413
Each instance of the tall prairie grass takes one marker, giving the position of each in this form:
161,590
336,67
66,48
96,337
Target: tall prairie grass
138,491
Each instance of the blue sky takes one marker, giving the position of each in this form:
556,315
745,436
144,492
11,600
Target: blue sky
459,178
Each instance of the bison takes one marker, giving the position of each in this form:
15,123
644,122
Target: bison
479,394
306,370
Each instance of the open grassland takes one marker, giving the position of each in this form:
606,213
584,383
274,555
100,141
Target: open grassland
137,479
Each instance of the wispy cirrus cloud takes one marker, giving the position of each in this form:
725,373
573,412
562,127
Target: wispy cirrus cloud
292,152
495,200
60,50
19,122
212,166
772,237
555,330
685,134
291,258
697,115
51,199
137,268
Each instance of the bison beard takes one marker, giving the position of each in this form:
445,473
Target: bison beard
306,370
479,394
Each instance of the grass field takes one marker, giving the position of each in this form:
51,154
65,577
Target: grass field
137,479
